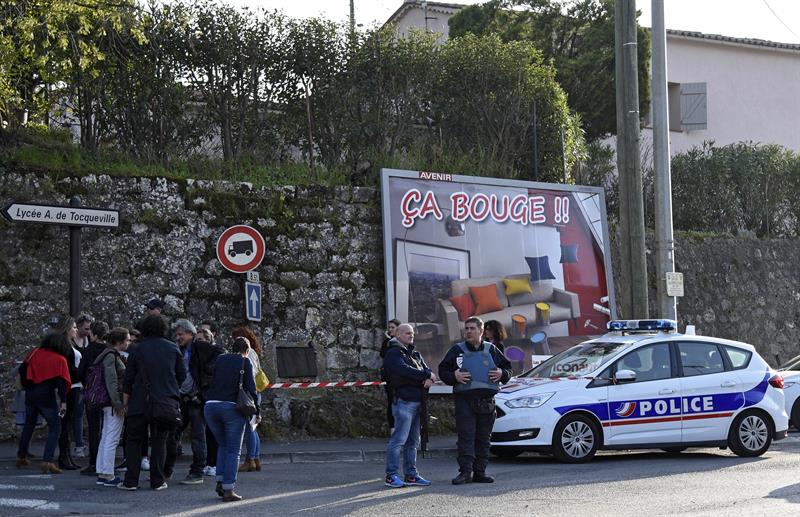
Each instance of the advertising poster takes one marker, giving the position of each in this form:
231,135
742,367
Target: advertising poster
532,256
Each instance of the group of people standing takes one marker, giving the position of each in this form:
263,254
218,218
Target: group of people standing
129,378
474,367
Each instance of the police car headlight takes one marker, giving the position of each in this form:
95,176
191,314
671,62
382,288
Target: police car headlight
530,402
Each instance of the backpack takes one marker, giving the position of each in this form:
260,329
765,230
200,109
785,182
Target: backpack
95,391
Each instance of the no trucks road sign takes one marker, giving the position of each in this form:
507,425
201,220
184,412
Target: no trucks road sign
240,248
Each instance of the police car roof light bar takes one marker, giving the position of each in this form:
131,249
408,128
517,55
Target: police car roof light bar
642,325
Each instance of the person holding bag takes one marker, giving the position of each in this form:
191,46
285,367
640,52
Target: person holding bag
252,462
230,402
113,367
150,394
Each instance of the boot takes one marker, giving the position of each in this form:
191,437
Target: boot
257,463
65,462
230,496
50,468
23,462
247,466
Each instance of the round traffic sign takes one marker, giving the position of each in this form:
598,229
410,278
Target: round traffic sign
240,248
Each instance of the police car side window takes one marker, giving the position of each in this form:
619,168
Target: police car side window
739,358
650,363
700,359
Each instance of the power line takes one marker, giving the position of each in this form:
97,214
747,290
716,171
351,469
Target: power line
779,19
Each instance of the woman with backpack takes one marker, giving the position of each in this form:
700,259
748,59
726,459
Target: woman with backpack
110,363
45,376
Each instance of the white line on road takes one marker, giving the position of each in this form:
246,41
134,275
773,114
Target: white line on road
39,504
26,487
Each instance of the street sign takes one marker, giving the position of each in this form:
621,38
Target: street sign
252,299
240,248
674,284
252,276
64,215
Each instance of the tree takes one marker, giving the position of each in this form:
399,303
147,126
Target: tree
577,36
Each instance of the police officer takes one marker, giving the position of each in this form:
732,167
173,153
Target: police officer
475,368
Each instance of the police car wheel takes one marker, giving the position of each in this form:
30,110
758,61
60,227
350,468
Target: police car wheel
750,434
505,452
576,439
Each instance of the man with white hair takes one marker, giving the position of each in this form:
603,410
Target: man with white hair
408,375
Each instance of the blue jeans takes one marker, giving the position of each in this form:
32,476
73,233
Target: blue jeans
50,414
253,441
77,417
405,437
228,427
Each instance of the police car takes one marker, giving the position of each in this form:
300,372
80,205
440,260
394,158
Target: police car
642,385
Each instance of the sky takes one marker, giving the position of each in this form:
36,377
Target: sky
775,20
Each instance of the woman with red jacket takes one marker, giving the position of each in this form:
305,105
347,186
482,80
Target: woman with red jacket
45,376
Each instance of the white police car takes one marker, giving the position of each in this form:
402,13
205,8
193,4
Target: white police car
642,385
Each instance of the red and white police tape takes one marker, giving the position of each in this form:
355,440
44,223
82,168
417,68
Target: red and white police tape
341,384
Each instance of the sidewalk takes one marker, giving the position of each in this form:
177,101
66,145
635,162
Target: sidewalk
301,451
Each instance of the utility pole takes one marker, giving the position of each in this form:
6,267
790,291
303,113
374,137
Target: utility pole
352,17
665,245
633,281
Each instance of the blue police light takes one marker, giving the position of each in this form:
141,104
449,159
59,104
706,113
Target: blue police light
641,325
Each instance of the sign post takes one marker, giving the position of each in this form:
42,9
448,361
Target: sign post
76,217
240,249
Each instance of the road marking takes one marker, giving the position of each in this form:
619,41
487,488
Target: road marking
39,504
27,487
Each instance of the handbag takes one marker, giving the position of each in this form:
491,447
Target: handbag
262,381
164,412
245,404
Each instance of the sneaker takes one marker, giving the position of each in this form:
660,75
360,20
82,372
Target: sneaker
416,481
145,464
192,479
210,471
394,481
111,482
123,486
162,486
122,467
102,481
79,452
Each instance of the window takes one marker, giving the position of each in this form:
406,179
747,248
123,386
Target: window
577,360
739,358
650,363
688,110
700,359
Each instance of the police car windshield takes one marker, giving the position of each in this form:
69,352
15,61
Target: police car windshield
577,360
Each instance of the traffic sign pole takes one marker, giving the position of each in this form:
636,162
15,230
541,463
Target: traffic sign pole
75,264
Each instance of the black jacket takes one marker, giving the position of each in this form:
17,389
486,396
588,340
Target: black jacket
88,355
160,361
406,370
448,367
201,364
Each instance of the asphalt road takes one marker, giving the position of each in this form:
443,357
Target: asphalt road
703,482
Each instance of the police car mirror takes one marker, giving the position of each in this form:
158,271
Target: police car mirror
625,376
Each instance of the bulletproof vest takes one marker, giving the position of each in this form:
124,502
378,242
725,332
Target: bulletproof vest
478,364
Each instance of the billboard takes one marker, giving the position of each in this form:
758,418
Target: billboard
532,256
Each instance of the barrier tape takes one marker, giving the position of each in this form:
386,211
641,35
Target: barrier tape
303,385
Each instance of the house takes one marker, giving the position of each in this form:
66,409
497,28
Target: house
721,88
423,15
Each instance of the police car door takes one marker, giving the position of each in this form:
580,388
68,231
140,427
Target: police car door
711,391
646,409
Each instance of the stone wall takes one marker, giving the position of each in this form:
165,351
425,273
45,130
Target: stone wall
323,275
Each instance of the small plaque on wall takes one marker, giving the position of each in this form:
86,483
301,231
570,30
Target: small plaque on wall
674,284
296,362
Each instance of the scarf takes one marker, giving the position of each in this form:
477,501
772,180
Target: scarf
45,364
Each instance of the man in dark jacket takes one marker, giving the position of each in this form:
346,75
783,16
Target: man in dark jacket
475,368
154,366
198,358
408,375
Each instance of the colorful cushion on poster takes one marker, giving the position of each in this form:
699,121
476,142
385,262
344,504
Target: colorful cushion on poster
517,286
464,306
486,299
540,268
